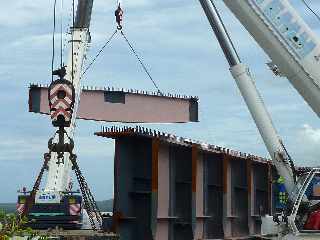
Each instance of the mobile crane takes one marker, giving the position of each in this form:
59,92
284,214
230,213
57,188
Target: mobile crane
295,52
56,205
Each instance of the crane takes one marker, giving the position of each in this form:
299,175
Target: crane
56,204
58,174
295,51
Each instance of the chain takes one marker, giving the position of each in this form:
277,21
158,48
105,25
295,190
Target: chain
86,201
47,157
89,201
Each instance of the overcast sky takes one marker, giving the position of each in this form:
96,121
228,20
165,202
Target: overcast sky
183,56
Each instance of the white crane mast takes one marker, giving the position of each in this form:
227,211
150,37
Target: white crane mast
59,174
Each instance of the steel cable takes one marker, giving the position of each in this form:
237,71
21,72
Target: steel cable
61,34
98,54
310,9
72,43
53,38
141,62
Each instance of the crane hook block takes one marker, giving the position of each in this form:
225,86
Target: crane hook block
119,17
61,96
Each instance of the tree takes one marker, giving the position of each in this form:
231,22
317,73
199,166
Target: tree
13,225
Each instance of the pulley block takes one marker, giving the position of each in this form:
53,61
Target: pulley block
61,96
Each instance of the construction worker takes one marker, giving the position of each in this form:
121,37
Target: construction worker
282,194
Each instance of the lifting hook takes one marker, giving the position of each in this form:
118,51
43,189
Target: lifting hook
119,17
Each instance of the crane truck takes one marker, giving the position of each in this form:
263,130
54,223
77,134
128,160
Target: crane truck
295,53
56,204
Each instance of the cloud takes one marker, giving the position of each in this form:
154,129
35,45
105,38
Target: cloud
178,46
39,40
21,13
92,146
311,134
307,146
22,149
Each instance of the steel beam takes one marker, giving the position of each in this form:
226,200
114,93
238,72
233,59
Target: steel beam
113,105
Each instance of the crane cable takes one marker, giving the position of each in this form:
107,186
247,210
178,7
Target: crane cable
61,33
72,43
310,9
98,54
118,15
53,38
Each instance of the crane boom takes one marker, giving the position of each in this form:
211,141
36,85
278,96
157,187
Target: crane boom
291,44
246,85
294,49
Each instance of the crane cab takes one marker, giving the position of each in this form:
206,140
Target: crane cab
305,211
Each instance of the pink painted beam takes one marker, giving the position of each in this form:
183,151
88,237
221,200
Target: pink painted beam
131,106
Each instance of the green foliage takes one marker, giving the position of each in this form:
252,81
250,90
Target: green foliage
13,225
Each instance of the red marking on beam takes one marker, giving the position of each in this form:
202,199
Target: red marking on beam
116,213
226,159
249,176
194,153
155,159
